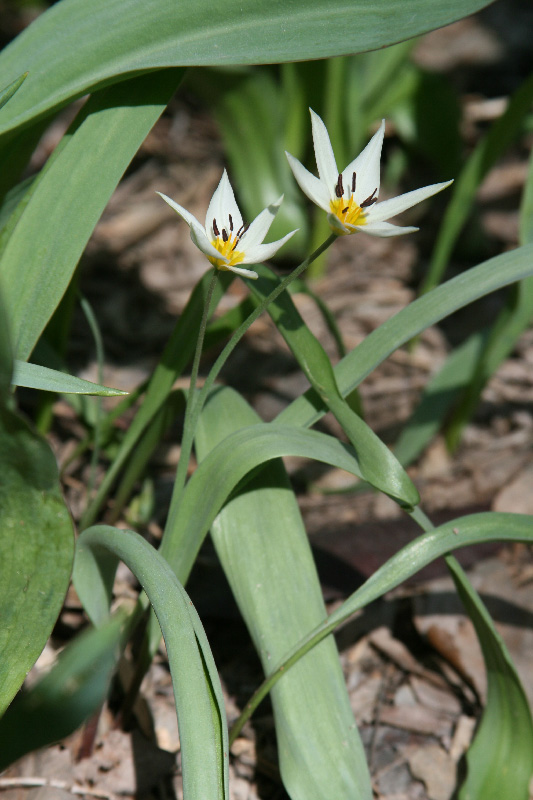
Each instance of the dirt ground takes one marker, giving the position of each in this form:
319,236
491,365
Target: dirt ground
412,663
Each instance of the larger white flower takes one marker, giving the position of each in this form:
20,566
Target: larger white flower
225,239
350,197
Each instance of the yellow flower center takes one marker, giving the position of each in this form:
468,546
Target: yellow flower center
227,248
348,212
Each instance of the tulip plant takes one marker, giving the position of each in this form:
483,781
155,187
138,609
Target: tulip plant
129,56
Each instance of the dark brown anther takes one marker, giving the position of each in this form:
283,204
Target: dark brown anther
215,228
353,183
242,230
230,224
224,235
339,189
344,210
369,200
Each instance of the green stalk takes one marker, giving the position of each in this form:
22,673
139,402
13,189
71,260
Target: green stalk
196,407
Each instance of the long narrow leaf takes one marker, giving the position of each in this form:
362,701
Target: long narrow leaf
114,39
34,376
416,317
199,701
103,141
379,466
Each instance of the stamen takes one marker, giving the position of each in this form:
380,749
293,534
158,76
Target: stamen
224,235
215,228
353,183
344,210
242,230
230,224
339,189
370,200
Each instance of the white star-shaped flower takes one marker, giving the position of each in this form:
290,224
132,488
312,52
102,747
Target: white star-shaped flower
225,239
350,197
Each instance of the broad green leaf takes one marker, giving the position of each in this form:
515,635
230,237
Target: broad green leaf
115,39
227,464
379,466
197,691
90,162
487,152
61,701
416,317
36,548
51,380
262,545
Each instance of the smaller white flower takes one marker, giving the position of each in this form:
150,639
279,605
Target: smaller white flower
350,197
225,239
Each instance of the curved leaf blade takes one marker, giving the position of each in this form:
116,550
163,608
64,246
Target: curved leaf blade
197,691
379,466
409,322
110,40
227,464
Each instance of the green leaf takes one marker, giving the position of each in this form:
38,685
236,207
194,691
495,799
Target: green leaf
61,701
410,321
227,464
508,698
51,380
114,39
379,466
8,92
6,359
90,161
197,691
500,760
259,537
36,548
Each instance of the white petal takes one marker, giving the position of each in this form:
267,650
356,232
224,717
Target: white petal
325,159
247,273
222,205
384,229
202,243
336,224
259,227
366,167
262,252
184,214
389,208
311,186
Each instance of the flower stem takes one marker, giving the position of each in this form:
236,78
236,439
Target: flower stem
189,424
194,408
